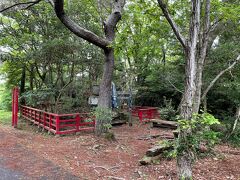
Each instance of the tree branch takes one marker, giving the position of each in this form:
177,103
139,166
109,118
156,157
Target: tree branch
76,29
30,4
218,76
172,23
113,19
178,90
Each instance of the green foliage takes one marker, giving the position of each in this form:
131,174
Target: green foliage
5,98
5,117
171,153
167,112
110,136
39,97
198,133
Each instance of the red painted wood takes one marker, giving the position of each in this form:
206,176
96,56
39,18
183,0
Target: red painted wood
145,113
59,123
15,93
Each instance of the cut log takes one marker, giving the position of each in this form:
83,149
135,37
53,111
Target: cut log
149,160
164,124
156,150
118,122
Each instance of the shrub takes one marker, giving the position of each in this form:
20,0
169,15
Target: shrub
201,134
168,112
5,100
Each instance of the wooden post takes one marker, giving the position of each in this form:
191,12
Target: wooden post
15,92
57,124
78,122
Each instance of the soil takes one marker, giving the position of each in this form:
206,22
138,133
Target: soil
27,154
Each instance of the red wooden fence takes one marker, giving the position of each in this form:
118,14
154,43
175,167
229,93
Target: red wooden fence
15,93
145,113
59,123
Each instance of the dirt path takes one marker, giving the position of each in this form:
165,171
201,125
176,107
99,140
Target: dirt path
25,154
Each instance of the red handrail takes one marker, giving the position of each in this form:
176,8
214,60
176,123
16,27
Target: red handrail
59,123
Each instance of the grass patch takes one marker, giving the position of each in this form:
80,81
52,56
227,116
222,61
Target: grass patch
5,117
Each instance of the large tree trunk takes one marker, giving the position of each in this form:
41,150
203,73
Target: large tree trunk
104,101
185,155
105,86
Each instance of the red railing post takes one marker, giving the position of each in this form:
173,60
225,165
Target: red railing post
140,115
13,115
44,119
94,121
50,121
15,92
78,122
35,117
57,124
16,107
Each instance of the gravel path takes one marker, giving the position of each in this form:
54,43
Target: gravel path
7,174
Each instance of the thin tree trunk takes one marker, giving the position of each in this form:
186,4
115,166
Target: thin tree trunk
202,57
235,122
23,82
205,104
31,77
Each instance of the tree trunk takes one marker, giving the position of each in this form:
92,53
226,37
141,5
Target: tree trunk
235,122
23,80
202,57
104,100
31,77
185,155
105,86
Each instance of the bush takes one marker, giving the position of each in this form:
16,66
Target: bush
40,97
201,135
5,99
168,112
